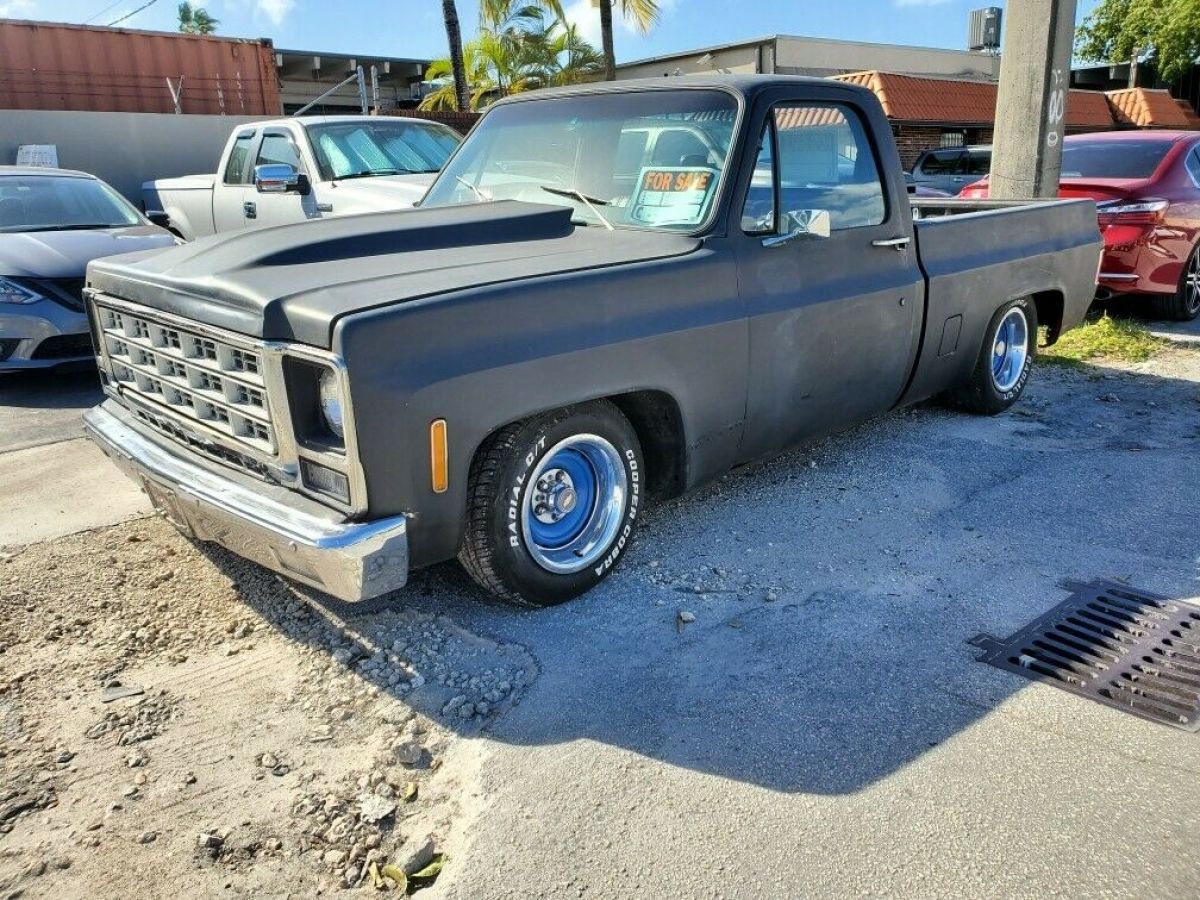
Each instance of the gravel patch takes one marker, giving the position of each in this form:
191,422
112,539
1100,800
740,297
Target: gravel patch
182,712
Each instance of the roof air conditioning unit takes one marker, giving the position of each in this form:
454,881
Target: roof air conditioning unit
984,31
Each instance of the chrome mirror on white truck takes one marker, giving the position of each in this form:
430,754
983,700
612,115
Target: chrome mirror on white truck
280,178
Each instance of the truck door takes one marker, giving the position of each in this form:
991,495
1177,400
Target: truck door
278,146
827,271
229,192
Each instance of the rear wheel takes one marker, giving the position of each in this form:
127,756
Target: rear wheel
552,504
1184,304
1005,361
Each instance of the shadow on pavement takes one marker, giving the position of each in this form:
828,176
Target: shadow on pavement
66,387
833,602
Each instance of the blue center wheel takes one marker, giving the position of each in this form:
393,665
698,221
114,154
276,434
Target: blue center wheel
1010,350
574,503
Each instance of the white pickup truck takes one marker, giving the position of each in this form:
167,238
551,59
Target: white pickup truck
291,170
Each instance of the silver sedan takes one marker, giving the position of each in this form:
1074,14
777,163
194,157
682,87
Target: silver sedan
53,222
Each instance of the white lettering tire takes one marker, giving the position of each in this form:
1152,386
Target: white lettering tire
552,504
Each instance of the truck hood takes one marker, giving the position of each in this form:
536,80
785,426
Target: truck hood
379,192
65,254
293,282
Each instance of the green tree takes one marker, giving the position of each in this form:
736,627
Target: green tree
1166,32
520,47
642,13
195,20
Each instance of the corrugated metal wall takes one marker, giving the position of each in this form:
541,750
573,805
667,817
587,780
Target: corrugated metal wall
70,67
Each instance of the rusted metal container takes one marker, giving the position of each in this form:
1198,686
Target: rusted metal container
47,65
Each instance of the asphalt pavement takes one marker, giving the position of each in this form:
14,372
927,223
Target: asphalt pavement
59,482
822,727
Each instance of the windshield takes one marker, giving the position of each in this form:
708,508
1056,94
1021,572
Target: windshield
54,202
1112,159
381,147
650,159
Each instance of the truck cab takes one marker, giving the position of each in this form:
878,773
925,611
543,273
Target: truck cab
295,170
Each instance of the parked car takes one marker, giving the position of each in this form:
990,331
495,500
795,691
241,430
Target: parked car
53,222
951,169
558,333
1146,185
922,190
293,170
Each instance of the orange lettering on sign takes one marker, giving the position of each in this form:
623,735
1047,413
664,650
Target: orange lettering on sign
676,181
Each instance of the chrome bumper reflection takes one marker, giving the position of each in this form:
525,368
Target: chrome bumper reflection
351,561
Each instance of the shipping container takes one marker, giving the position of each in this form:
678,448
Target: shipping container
47,65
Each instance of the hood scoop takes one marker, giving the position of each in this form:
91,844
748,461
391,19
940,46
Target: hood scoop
381,234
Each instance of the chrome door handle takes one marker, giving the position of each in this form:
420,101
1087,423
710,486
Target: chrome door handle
896,243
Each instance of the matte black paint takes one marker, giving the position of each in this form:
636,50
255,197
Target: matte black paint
487,313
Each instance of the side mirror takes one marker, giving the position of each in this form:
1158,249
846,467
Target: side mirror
280,178
801,223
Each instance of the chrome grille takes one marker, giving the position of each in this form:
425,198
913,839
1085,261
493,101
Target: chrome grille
190,374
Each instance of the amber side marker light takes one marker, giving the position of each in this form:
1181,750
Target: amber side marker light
438,456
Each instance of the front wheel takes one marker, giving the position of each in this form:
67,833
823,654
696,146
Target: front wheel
1005,361
552,503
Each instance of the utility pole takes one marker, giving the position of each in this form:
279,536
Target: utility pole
1035,77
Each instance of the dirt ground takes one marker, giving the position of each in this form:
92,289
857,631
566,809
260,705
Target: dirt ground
268,749
176,721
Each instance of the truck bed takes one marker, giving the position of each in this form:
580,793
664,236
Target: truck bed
999,250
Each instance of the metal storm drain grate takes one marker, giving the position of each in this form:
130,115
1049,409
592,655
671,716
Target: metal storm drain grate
1122,647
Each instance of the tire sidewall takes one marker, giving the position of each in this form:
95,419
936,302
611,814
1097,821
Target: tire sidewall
1184,314
1005,399
511,558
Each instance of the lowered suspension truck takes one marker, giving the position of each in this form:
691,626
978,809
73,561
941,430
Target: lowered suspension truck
610,294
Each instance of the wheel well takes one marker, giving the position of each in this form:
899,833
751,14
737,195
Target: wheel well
655,417
1049,305
656,420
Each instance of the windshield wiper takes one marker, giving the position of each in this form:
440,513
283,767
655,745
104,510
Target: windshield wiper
590,202
85,226
479,193
367,173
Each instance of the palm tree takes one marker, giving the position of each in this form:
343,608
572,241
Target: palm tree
516,50
196,21
642,13
457,70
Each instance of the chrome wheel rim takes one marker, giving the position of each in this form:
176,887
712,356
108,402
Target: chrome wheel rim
1010,349
574,502
1191,284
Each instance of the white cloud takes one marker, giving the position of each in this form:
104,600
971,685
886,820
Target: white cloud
274,10
14,8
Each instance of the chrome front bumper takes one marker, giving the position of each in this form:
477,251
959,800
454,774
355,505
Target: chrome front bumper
272,527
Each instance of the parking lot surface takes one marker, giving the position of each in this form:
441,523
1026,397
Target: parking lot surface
817,724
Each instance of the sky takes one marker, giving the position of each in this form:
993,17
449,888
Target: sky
413,28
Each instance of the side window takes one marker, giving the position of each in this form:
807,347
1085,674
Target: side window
823,164
278,149
758,213
235,169
979,163
679,147
947,163
1193,166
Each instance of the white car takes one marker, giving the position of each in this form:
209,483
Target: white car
290,170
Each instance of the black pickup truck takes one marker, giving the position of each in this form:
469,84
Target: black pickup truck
610,294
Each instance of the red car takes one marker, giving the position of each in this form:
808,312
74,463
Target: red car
1146,185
